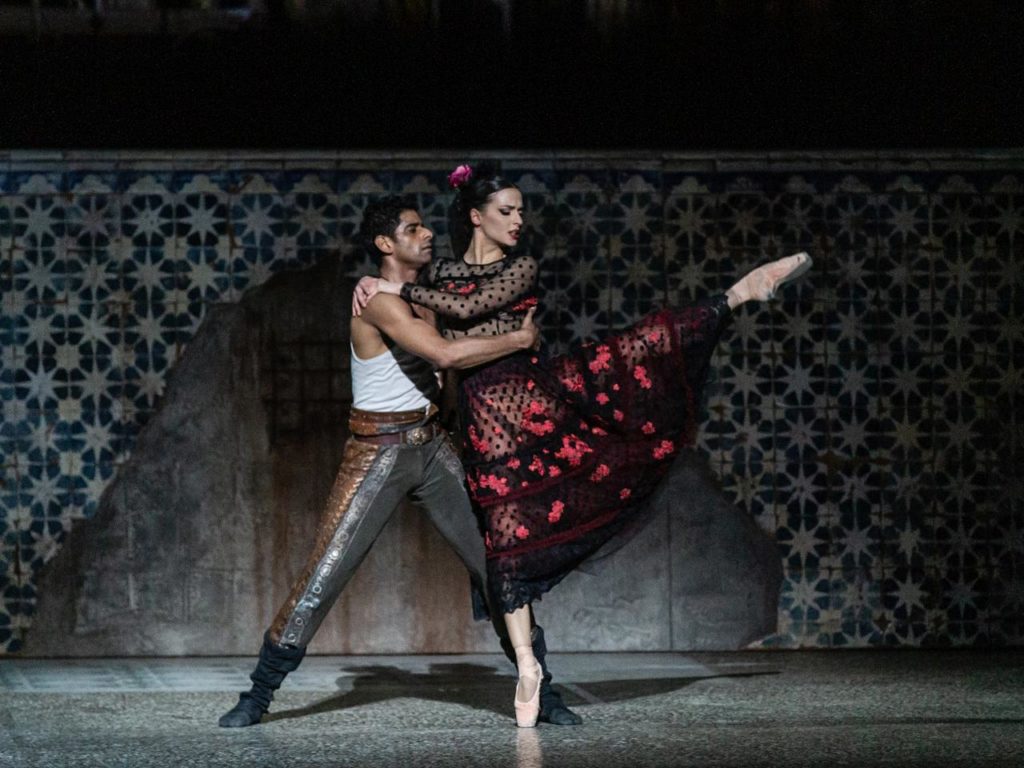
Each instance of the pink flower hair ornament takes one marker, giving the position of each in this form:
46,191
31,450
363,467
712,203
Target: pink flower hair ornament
460,176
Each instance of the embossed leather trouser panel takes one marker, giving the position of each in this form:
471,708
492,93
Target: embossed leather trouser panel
371,483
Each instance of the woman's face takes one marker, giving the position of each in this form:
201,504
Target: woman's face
501,219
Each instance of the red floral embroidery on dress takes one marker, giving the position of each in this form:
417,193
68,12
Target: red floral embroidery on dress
556,512
513,463
525,304
535,408
663,450
574,382
462,290
479,445
640,374
647,428
600,363
497,484
596,503
542,428
573,450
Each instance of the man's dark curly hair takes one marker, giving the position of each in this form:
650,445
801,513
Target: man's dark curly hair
382,217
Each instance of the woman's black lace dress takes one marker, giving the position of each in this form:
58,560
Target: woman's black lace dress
562,452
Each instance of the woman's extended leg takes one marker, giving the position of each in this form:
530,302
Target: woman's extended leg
527,700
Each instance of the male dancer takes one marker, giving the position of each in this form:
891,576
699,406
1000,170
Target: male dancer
397,450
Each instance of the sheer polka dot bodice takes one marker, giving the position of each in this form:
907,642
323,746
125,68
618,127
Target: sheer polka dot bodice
477,299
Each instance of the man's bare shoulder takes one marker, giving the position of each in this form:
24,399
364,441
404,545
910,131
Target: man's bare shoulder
385,307
383,313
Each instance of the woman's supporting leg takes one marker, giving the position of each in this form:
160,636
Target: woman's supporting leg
552,708
446,503
527,701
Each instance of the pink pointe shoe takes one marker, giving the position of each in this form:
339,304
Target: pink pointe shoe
766,281
528,711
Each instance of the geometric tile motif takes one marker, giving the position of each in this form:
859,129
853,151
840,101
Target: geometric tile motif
870,419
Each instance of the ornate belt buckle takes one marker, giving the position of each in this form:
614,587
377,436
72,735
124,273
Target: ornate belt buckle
417,436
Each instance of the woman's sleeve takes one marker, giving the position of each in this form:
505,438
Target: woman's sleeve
478,298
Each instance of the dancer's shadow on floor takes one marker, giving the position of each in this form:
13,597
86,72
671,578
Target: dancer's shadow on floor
476,686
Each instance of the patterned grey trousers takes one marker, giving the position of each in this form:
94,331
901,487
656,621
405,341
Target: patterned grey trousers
372,482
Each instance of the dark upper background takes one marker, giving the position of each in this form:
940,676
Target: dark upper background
707,74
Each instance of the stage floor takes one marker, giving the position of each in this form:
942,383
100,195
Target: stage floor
788,708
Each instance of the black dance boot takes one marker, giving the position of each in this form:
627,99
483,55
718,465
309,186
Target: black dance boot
275,662
552,708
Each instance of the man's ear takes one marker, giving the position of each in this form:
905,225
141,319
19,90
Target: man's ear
384,244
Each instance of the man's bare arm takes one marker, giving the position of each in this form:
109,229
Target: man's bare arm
394,317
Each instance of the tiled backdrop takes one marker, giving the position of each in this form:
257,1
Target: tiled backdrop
870,419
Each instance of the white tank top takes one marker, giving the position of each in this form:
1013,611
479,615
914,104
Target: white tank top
394,380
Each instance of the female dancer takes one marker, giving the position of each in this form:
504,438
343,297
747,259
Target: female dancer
561,452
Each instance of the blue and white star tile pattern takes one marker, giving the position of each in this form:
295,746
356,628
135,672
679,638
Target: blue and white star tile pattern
869,419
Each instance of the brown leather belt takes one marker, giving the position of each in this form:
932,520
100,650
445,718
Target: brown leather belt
412,436
396,427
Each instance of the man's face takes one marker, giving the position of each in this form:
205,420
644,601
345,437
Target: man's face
413,242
